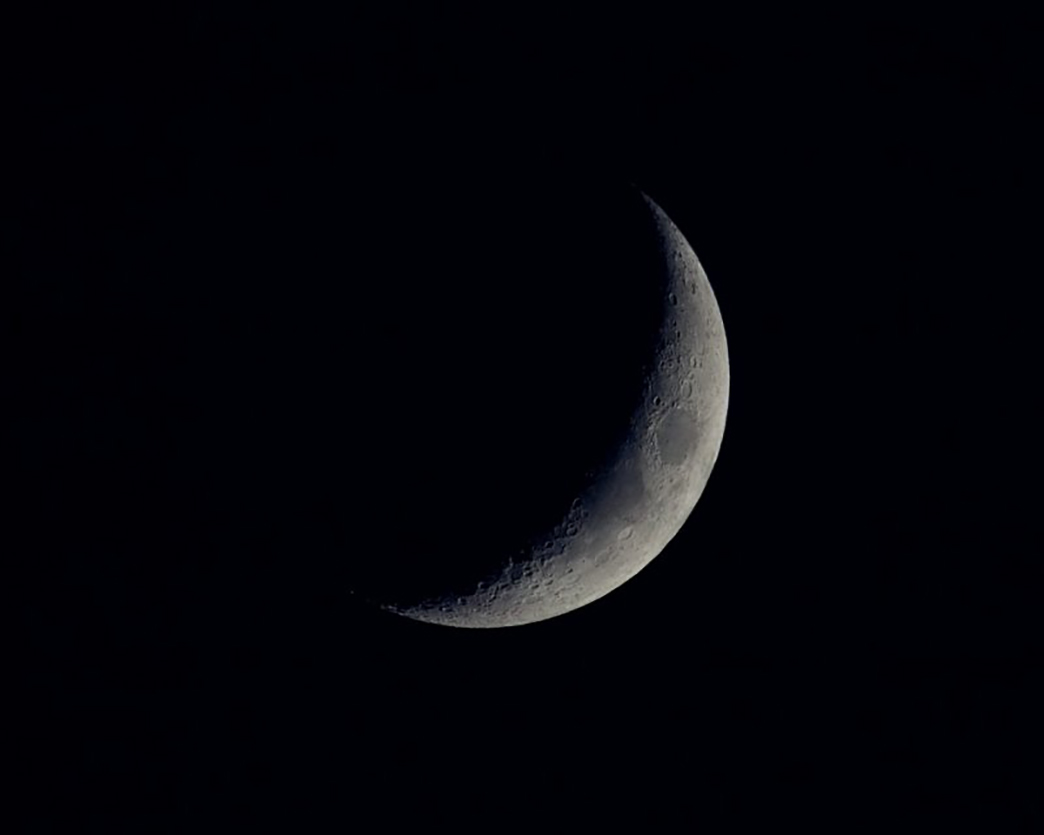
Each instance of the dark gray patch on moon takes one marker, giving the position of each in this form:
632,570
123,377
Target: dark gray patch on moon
676,436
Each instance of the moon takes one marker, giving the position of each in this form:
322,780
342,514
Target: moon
638,495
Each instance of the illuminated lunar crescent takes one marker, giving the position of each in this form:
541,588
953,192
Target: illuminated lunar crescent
637,500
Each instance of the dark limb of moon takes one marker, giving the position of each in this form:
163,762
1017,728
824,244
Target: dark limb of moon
473,402
550,530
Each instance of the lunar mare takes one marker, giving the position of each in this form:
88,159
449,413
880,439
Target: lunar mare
637,500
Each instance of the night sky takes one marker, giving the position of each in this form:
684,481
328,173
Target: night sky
850,610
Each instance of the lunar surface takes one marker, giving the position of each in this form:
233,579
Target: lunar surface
634,496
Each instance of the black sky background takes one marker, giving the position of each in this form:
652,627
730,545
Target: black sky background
852,610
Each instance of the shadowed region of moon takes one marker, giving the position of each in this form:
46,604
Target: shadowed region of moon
550,405
478,400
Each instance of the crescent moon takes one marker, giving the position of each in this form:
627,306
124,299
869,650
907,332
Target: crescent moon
634,504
